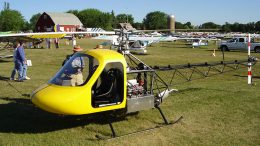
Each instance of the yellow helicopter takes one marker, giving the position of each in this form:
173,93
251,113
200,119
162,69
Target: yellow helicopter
106,84
103,88
102,80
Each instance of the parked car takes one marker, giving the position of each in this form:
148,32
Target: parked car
239,43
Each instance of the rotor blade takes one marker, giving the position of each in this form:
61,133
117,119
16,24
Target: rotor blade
43,34
178,30
48,36
166,38
163,38
179,74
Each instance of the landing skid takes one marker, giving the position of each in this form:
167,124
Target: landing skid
166,123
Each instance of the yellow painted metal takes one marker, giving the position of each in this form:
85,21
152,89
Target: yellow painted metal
70,100
43,36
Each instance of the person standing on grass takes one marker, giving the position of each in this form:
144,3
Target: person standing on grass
21,63
25,67
74,41
56,42
16,45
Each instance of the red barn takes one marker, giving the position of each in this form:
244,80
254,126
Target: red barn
54,21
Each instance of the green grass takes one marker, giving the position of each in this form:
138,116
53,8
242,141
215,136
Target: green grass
220,110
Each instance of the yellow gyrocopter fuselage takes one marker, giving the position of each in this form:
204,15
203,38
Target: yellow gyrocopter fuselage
90,82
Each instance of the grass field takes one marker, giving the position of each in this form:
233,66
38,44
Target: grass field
220,110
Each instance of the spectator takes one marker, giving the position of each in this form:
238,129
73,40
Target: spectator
21,63
16,45
56,41
74,42
48,43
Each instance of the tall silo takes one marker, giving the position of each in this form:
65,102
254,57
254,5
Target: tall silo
171,23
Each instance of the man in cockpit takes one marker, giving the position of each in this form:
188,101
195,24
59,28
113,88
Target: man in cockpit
77,66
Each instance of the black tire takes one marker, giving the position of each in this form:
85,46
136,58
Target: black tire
224,48
257,49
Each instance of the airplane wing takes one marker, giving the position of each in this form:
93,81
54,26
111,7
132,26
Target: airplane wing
156,39
137,38
35,37
106,37
167,38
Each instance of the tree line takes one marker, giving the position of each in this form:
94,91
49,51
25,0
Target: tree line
13,20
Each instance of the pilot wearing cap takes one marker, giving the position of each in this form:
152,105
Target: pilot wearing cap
99,47
76,48
75,67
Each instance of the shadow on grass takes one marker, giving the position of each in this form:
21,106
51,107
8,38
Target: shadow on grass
139,54
254,77
240,76
188,47
4,78
199,89
21,116
35,48
5,61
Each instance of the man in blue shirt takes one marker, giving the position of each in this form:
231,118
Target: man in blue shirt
16,45
21,62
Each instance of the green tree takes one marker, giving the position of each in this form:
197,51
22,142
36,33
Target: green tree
226,27
188,25
26,27
95,18
34,20
250,27
138,25
114,21
75,12
179,25
106,21
155,20
235,27
11,20
90,17
125,18
257,26
210,25
241,28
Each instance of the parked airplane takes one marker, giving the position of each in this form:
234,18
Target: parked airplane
197,42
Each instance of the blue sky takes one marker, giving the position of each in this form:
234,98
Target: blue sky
195,11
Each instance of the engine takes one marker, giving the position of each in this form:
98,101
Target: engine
134,88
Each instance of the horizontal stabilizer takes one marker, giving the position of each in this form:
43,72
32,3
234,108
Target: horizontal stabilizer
164,94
